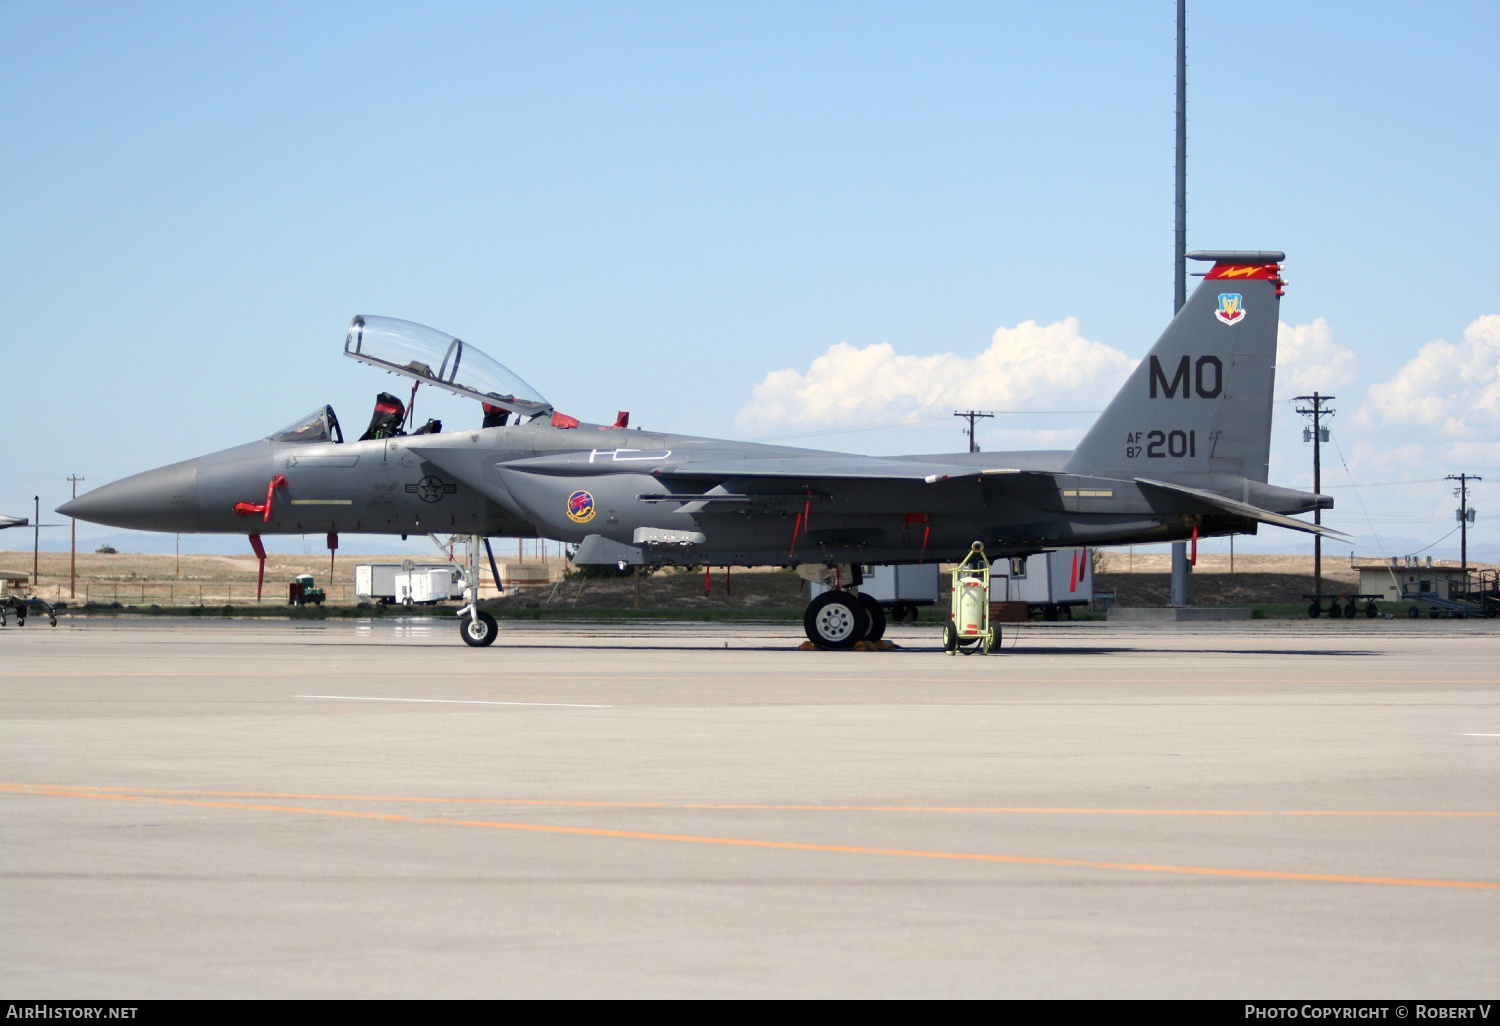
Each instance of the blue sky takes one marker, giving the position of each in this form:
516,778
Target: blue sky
654,206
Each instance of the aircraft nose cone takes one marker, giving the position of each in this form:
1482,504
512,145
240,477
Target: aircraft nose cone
164,499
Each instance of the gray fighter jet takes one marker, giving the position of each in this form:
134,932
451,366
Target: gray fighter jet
1181,451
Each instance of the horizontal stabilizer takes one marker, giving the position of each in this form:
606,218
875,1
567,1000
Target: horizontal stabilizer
1242,509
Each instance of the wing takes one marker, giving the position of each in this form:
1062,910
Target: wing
868,468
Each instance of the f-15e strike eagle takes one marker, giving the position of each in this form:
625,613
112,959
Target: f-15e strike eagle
1181,451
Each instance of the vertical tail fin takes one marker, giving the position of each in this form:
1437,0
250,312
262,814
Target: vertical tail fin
1200,402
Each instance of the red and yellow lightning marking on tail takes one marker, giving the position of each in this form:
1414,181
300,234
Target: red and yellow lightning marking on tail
1249,272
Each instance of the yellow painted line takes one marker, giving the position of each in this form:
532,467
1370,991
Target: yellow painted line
840,849
322,502
584,803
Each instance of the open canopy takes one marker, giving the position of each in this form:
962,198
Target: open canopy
428,355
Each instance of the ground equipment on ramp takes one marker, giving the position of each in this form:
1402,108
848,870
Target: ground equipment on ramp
969,620
15,596
303,592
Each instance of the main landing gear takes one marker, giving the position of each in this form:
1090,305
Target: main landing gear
839,619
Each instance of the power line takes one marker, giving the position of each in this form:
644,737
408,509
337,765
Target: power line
910,422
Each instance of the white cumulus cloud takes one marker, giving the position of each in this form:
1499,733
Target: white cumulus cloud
1308,359
1452,388
1030,366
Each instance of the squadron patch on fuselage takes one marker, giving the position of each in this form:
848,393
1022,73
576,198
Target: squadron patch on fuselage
581,507
1231,307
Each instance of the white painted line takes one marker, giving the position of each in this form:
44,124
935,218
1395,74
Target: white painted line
1481,735
455,701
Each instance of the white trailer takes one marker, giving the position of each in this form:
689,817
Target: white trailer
396,582
1050,583
425,585
376,582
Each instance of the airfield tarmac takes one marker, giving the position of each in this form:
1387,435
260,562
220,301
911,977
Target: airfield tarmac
252,808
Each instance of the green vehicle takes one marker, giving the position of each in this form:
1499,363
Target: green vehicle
303,592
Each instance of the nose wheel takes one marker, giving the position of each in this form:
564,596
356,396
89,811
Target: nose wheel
479,630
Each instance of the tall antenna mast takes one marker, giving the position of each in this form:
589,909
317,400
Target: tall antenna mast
1180,567
1179,262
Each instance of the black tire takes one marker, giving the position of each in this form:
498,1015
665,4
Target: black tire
1432,614
1371,612
479,631
20,621
835,619
1049,612
1314,610
1413,612
876,615
1351,611
950,637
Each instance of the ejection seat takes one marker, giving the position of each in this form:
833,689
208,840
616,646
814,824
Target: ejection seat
389,415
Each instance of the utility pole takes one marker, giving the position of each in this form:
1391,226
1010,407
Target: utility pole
1180,567
1465,514
972,416
73,546
36,541
1180,263
1317,434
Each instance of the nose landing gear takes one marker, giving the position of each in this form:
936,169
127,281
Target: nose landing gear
478,631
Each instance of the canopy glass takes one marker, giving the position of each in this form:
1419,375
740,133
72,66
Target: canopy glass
319,426
428,355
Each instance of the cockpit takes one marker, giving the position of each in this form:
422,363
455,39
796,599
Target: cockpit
428,357
431,357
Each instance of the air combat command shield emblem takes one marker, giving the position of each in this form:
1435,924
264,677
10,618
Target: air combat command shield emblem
1231,307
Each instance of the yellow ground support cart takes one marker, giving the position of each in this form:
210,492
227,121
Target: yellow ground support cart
968,623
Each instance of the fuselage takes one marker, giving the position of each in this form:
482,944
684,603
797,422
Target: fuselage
630,496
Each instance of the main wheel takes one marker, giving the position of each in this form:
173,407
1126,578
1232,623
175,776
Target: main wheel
1370,611
1314,610
1351,611
479,631
876,616
950,637
835,619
